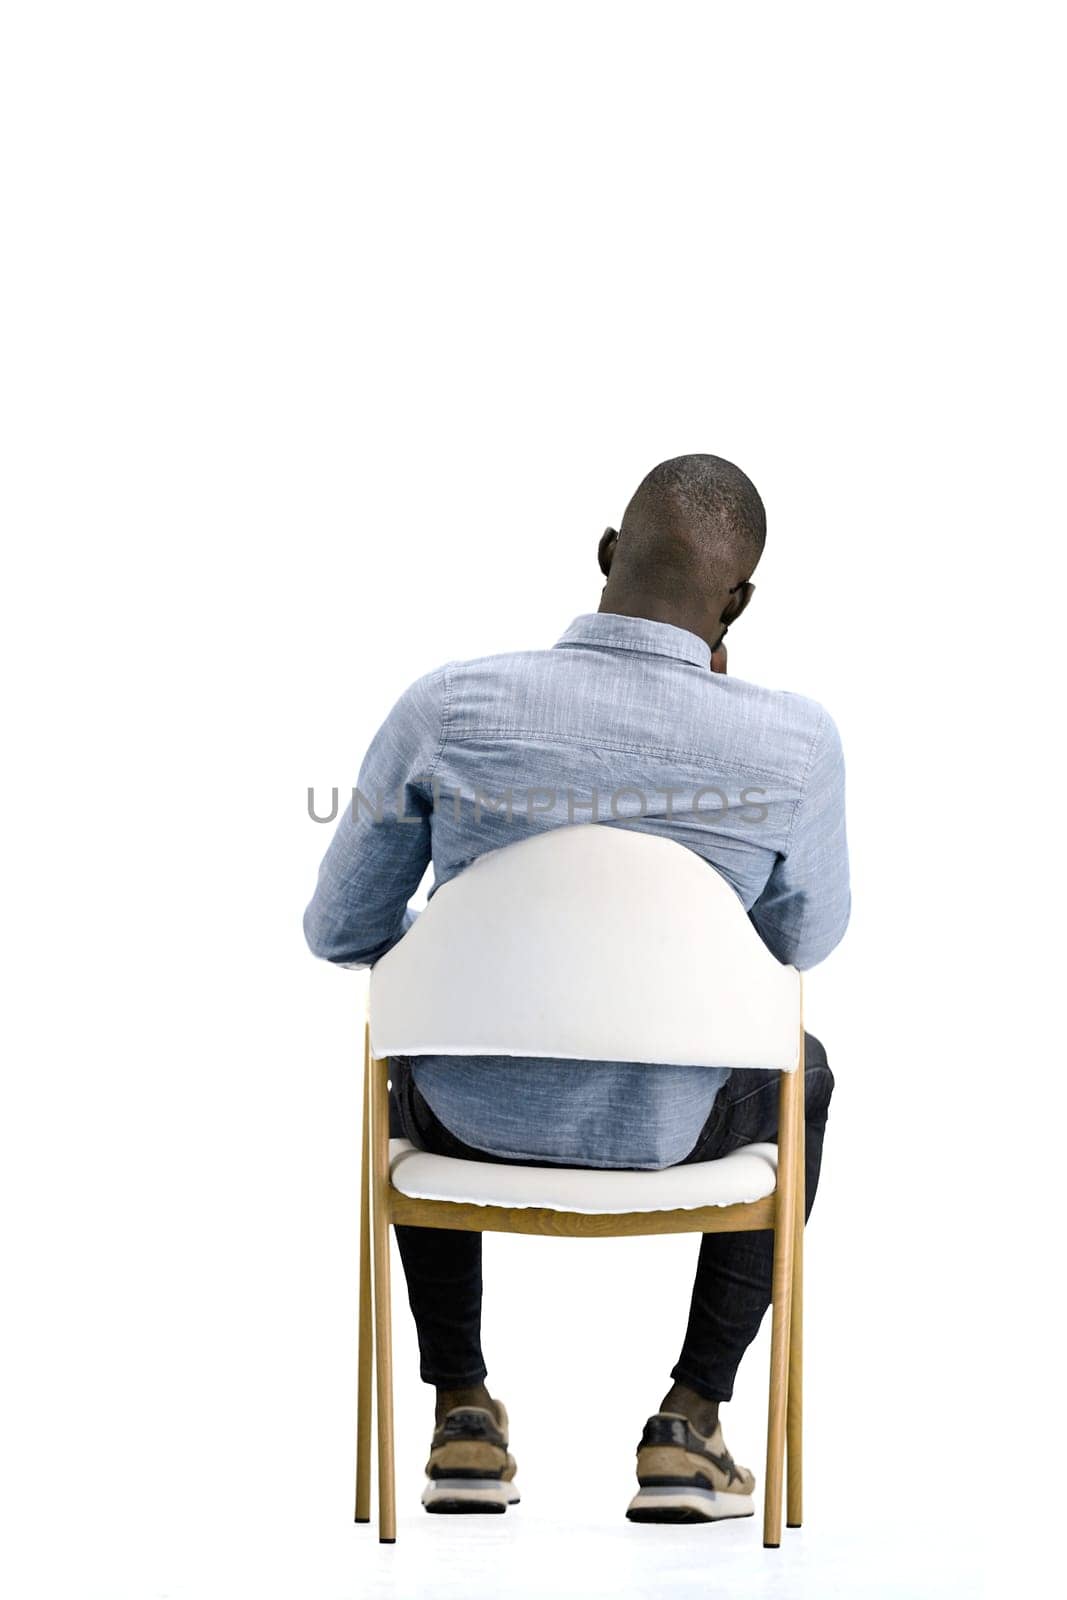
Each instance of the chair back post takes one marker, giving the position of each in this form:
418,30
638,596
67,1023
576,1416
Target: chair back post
366,1315
381,1216
790,1121
379,1122
794,1514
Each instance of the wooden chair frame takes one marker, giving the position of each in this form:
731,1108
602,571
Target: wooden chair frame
382,1205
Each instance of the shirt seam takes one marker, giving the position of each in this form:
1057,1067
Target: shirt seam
804,780
616,643
446,710
667,752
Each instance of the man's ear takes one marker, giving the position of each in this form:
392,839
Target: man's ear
739,598
606,550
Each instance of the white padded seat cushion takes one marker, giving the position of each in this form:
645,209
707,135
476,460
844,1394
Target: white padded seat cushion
744,1175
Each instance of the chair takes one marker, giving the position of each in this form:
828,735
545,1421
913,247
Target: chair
599,943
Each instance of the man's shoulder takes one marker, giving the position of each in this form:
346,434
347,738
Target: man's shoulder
501,661
799,708
451,684
782,718
502,667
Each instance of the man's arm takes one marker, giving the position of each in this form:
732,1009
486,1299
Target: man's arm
381,848
804,909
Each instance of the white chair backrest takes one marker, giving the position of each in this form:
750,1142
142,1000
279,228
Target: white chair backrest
590,942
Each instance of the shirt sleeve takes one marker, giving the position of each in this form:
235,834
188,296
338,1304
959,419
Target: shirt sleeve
804,909
381,847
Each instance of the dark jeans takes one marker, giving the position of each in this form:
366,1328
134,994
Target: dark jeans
732,1291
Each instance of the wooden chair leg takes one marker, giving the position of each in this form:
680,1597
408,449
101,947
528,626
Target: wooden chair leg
781,1299
365,1358
383,1322
794,1503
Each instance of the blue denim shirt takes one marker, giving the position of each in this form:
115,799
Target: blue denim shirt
621,723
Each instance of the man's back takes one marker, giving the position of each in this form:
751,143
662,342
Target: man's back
623,724
623,713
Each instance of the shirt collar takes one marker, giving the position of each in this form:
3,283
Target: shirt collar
608,631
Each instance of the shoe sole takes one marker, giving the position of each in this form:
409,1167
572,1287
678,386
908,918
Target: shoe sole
459,1496
673,1503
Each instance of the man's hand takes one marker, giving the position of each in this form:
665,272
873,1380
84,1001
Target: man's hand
718,659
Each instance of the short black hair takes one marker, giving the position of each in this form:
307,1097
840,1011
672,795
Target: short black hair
694,510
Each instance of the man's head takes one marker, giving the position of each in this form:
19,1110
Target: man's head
687,546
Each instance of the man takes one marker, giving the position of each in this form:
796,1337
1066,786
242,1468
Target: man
620,724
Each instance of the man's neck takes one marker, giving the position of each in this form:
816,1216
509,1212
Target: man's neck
692,619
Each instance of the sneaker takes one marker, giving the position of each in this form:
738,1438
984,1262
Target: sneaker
469,1467
685,1477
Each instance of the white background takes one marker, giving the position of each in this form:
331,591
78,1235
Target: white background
333,337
